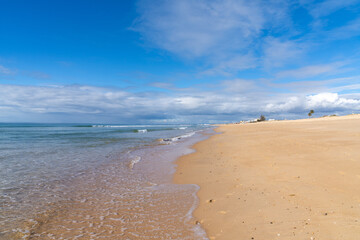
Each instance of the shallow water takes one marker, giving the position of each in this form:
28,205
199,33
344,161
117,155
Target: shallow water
95,182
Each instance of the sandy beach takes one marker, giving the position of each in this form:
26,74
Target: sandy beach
278,180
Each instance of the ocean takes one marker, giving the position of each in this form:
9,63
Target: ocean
96,181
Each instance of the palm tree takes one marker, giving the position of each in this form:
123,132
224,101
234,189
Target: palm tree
310,113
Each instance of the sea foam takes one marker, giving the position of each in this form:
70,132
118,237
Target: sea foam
142,130
134,161
174,139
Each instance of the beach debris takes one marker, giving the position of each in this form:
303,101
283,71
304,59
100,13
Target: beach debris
197,223
211,200
326,214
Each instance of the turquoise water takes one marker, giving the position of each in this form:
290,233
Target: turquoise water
45,167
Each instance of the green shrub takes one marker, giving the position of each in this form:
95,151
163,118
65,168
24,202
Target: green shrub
262,118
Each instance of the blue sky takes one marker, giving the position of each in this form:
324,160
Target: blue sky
177,61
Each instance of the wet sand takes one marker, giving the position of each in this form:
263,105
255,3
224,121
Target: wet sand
128,198
278,180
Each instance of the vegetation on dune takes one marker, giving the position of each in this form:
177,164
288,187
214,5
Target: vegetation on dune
262,118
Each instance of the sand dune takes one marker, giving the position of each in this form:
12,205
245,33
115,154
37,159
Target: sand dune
278,180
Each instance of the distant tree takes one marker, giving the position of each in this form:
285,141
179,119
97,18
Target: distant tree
310,113
262,118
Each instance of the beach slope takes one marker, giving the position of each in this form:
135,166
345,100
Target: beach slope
278,180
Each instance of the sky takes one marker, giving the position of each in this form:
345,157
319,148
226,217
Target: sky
188,61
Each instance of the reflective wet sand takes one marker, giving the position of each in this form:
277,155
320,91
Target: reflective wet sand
125,199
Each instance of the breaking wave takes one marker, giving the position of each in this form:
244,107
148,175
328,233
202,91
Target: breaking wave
177,138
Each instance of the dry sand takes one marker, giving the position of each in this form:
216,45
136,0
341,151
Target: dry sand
278,180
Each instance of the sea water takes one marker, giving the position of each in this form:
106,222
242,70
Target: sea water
96,181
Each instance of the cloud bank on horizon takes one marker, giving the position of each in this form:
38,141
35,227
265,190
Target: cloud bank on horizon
229,60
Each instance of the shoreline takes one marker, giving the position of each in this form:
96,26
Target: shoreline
129,194
291,179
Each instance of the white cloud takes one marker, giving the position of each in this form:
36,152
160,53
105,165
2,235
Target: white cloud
346,87
278,52
327,7
349,30
284,105
233,64
196,28
331,101
322,102
225,37
224,34
311,71
232,100
5,71
240,86
315,87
